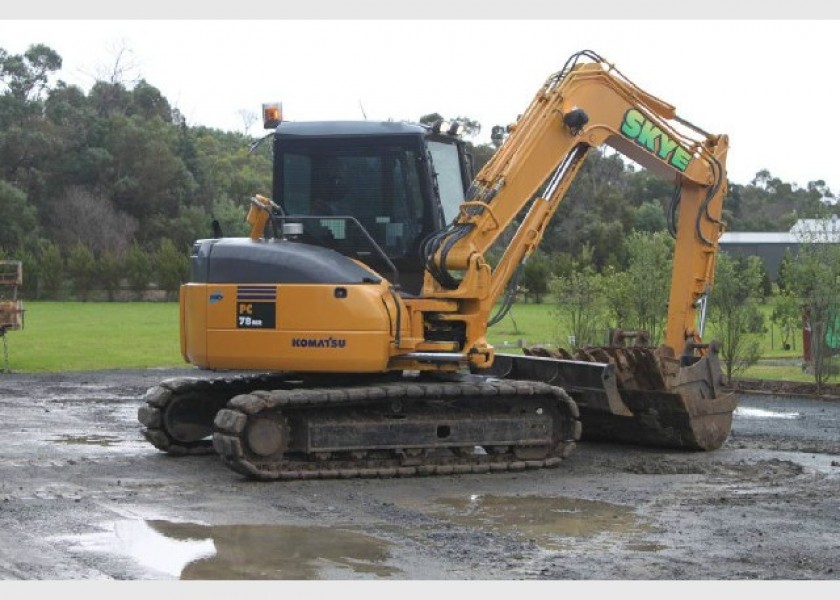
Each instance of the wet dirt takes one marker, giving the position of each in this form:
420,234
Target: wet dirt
84,497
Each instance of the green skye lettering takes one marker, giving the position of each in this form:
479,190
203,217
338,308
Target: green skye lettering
647,135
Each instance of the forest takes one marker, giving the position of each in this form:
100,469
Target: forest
111,185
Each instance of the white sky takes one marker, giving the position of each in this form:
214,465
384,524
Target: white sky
772,86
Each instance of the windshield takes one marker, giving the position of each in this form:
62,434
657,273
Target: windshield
374,180
450,183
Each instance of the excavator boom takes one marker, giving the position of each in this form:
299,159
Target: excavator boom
586,105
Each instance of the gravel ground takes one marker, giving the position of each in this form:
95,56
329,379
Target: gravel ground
84,497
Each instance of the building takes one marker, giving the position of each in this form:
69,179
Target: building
771,246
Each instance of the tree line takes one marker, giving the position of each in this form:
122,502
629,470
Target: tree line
113,174
109,187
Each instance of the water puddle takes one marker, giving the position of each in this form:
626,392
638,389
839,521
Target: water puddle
546,520
238,552
758,413
87,440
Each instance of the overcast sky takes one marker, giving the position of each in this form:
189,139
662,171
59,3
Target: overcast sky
772,86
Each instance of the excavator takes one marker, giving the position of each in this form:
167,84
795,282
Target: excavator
350,327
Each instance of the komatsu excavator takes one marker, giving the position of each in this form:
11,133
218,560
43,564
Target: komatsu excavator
360,303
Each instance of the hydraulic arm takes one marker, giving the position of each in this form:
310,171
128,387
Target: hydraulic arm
584,106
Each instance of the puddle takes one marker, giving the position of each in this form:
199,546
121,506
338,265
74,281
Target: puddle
238,552
87,440
758,413
545,520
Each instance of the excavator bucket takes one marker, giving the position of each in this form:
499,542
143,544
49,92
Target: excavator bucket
634,394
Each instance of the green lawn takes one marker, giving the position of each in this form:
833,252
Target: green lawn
532,323
84,336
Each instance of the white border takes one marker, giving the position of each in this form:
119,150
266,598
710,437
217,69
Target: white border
428,9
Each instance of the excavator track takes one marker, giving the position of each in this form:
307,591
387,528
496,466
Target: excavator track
178,414
397,430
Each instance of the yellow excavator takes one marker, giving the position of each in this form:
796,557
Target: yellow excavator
359,305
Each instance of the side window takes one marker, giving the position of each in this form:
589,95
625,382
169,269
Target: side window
450,184
402,222
297,178
365,187
413,184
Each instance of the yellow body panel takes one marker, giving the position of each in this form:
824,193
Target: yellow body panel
193,307
310,328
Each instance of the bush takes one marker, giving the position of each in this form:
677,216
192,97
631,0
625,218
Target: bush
81,267
535,275
138,270
51,271
581,304
110,270
172,267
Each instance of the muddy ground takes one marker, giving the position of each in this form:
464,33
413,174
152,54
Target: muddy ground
84,497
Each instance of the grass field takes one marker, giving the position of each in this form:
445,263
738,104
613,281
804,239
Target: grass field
85,336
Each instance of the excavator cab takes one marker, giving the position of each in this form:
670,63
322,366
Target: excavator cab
400,182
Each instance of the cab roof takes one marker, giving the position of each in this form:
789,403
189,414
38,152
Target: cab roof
309,129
